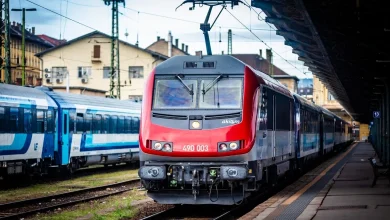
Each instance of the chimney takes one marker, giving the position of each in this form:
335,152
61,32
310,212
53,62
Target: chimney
268,54
177,43
13,23
186,49
182,46
261,53
222,52
158,38
33,30
19,25
198,53
169,44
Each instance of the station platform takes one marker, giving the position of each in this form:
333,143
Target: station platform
341,191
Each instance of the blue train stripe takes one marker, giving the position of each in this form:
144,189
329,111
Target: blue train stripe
87,145
20,145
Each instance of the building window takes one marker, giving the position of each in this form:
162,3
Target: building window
106,72
301,90
136,72
135,98
96,51
84,71
330,96
58,71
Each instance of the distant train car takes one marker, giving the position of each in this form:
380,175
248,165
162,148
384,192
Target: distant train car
214,130
27,130
327,131
41,130
95,130
308,121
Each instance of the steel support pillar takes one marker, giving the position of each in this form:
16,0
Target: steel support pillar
7,40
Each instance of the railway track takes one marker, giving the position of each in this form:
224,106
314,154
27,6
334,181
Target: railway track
22,208
192,212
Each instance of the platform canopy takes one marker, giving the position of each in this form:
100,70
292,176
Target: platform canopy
345,43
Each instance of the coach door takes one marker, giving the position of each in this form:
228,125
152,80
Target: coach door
64,141
271,123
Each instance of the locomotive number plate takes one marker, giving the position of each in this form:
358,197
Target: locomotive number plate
197,148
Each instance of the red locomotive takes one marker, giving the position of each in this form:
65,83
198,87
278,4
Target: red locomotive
214,130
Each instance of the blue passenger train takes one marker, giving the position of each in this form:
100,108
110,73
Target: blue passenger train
42,129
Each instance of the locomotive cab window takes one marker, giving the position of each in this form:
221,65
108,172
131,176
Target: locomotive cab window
179,92
175,93
225,93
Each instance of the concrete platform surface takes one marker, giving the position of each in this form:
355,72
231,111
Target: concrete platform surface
351,195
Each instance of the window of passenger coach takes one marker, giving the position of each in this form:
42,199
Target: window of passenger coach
40,121
225,93
175,93
2,119
27,120
14,120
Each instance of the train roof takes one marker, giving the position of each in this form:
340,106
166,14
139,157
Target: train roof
20,95
210,64
69,100
327,112
305,102
213,64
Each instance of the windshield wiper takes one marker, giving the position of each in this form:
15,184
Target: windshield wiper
185,85
211,84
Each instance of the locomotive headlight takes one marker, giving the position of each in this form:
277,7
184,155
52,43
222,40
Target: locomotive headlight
195,124
167,147
157,146
233,146
223,147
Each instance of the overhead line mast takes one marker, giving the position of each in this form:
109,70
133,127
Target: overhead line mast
205,26
115,70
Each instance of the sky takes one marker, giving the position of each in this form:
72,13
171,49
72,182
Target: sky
148,19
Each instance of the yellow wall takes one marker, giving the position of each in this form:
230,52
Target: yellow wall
79,54
291,84
33,64
321,97
364,132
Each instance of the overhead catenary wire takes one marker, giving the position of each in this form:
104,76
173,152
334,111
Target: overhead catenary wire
189,21
62,15
261,40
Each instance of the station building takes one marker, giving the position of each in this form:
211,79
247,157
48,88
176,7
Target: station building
33,44
87,60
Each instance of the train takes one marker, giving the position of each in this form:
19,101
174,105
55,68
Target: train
43,131
214,131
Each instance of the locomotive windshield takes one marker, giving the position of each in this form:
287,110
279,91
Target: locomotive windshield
173,93
178,93
225,93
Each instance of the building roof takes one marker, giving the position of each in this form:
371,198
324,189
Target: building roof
173,45
106,35
54,42
259,63
16,31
